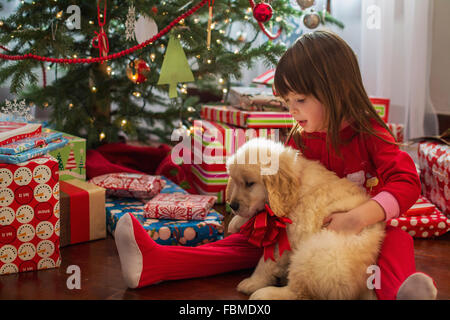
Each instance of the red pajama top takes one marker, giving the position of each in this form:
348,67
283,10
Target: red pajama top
388,174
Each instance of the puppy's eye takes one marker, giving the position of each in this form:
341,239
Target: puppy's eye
249,184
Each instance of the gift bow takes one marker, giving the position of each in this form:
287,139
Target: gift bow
265,230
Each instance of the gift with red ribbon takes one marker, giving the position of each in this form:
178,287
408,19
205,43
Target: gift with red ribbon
266,230
83,215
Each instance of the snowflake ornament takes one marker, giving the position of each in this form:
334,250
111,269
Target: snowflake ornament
130,23
16,111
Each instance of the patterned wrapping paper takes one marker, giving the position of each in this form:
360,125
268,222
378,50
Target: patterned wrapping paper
14,131
177,206
129,185
253,98
164,231
29,216
33,153
423,224
23,145
398,131
71,157
434,163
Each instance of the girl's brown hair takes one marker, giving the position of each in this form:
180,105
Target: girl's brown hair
322,64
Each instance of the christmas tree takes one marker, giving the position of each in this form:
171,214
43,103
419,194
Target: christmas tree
101,100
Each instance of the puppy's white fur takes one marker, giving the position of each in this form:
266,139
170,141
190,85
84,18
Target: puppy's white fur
322,264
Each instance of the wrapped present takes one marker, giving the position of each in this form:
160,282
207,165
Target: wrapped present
247,119
213,141
179,206
129,185
381,105
266,78
33,153
165,231
39,140
434,163
14,131
424,224
29,216
71,157
210,183
255,99
82,208
398,131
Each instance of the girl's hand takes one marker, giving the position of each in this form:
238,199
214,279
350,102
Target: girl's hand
355,220
345,222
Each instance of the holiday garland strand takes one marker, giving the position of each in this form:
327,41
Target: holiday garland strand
111,56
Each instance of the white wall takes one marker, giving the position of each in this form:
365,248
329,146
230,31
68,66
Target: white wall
440,63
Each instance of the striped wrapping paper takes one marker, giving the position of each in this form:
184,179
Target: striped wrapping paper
211,183
213,142
247,119
266,78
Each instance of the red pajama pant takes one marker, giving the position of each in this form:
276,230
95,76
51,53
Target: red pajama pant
396,259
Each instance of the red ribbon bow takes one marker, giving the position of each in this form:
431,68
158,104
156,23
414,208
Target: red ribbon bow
265,230
102,40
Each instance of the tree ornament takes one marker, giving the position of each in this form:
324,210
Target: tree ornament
311,20
175,67
210,16
138,71
262,12
145,28
101,40
304,4
130,23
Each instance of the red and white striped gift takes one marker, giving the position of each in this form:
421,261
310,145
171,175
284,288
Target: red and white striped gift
15,131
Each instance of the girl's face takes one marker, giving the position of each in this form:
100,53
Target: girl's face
307,111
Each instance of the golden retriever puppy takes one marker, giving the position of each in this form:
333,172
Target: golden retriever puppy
322,264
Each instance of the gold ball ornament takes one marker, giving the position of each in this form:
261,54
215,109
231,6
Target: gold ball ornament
311,20
138,71
304,4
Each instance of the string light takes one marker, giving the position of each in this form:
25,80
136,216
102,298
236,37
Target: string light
224,90
70,105
94,89
124,122
102,136
221,81
59,14
209,61
190,109
152,57
137,94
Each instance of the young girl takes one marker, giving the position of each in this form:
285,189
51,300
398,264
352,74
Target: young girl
319,79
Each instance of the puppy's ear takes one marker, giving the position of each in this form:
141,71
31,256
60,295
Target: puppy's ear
229,190
282,187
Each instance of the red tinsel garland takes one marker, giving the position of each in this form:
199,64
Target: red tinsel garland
111,56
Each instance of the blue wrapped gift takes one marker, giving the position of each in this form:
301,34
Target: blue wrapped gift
33,153
164,231
37,141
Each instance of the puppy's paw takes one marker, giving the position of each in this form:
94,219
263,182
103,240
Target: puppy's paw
236,223
273,293
250,285
262,294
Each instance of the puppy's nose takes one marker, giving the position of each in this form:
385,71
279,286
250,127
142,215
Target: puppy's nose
234,206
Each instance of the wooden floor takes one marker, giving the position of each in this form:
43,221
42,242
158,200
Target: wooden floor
101,276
